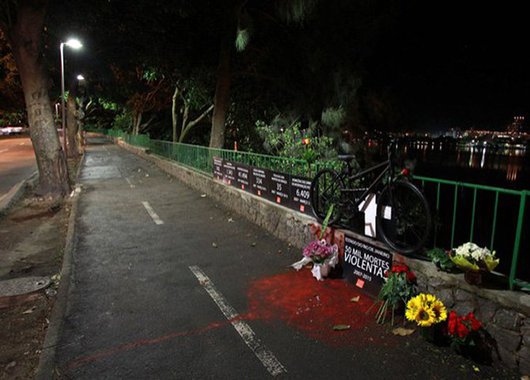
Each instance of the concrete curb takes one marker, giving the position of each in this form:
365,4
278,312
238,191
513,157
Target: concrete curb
46,367
16,192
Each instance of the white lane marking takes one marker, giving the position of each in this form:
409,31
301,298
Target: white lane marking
152,213
267,358
130,183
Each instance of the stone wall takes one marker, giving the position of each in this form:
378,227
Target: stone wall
505,314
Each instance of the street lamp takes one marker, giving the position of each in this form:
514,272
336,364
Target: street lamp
74,44
80,77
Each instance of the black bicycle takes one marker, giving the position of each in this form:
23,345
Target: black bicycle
403,217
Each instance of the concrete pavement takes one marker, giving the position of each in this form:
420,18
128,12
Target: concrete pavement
166,284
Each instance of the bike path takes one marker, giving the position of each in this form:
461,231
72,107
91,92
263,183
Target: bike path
167,284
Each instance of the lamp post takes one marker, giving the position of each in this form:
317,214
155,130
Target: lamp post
74,44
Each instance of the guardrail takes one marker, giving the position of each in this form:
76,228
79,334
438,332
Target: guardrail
458,217
461,219
199,158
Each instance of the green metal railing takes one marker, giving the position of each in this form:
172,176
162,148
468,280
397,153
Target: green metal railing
200,158
518,202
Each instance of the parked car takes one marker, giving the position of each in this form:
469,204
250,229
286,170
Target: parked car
11,130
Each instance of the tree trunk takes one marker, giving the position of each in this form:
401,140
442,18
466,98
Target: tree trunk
80,125
71,125
137,121
174,116
224,76
187,126
222,98
25,37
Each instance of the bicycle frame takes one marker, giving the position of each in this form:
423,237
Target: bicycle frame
388,167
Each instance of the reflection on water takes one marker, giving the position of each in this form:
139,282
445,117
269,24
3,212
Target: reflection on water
489,165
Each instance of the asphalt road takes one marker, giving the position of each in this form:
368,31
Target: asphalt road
169,285
17,161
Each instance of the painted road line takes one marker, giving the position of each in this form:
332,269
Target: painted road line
130,183
267,358
152,213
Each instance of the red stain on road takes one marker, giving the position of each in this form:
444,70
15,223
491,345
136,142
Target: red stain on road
80,361
301,302
314,307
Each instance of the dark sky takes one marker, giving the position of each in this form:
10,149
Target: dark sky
463,64
448,63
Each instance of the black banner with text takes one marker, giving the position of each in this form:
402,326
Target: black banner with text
283,189
365,265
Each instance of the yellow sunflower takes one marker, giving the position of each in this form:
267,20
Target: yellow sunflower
412,308
427,299
440,312
425,317
425,309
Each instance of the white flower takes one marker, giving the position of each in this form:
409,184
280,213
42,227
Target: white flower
472,251
477,254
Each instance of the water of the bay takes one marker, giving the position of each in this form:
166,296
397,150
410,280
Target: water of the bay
500,167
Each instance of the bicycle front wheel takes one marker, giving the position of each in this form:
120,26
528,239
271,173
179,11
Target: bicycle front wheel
326,191
403,217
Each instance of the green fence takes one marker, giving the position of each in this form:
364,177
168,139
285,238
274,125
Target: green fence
498,222
200,158
490,216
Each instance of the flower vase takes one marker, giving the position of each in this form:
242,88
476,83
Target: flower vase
433,334
474,277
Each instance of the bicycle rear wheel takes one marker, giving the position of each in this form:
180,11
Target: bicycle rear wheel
403,217
326,191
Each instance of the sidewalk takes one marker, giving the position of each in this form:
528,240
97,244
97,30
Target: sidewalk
166,284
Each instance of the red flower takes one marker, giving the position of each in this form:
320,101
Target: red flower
411,277
386,273
452,322
399,268
475,323
462,330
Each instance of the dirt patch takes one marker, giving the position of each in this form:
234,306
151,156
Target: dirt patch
22,333
32,240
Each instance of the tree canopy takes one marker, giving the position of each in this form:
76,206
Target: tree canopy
165,64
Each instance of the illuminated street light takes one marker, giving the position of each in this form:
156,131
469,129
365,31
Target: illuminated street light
80,77
74,44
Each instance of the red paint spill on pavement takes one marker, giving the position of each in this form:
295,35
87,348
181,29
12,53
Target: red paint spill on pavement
300,301
314,307
80,361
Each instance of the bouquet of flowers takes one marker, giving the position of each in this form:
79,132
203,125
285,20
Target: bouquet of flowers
463,331
471,257
468,337
399,286
322,254
426,310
